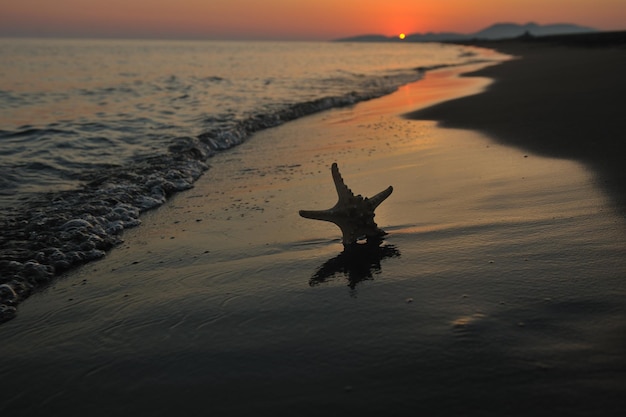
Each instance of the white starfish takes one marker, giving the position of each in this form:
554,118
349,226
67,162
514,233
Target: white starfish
353,214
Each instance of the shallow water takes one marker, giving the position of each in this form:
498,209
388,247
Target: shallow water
70,106
94,133
500,291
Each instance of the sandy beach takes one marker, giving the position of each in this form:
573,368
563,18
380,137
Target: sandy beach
564,99
498,291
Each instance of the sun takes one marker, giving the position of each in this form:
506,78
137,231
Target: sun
401,36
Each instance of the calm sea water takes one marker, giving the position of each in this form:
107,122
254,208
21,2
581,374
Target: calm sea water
94,132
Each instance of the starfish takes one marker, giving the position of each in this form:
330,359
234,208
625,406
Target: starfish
353,214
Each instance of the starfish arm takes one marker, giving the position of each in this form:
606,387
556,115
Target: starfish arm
343,191
327,215
347,226
380,197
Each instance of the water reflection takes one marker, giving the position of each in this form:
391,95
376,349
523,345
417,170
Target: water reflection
357,263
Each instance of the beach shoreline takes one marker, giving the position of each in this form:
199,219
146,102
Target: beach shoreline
53,232
562,98
498,291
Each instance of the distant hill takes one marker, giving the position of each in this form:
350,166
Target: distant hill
496,31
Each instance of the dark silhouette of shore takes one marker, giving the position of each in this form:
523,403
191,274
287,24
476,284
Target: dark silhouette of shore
562,96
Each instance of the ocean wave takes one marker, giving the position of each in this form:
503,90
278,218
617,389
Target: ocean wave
227,135
33,132
46,234
62,230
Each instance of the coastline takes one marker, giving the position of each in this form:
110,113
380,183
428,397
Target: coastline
499,289
53,232
563,99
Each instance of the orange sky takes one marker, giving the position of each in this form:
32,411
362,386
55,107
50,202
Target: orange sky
290,19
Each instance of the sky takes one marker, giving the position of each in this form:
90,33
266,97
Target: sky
290,19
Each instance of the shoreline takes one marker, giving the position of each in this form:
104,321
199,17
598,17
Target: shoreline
58,232
563,98
498,291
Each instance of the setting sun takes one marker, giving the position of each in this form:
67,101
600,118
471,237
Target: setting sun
284,20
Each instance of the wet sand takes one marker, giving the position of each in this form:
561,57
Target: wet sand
564,99
498,291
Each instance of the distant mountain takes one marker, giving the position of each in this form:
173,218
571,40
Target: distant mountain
496,31
512,30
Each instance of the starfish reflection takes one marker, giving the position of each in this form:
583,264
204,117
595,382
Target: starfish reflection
358,262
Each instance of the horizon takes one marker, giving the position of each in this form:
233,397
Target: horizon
319,20
200,39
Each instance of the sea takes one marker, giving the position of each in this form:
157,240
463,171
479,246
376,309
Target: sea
95,132
499,290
